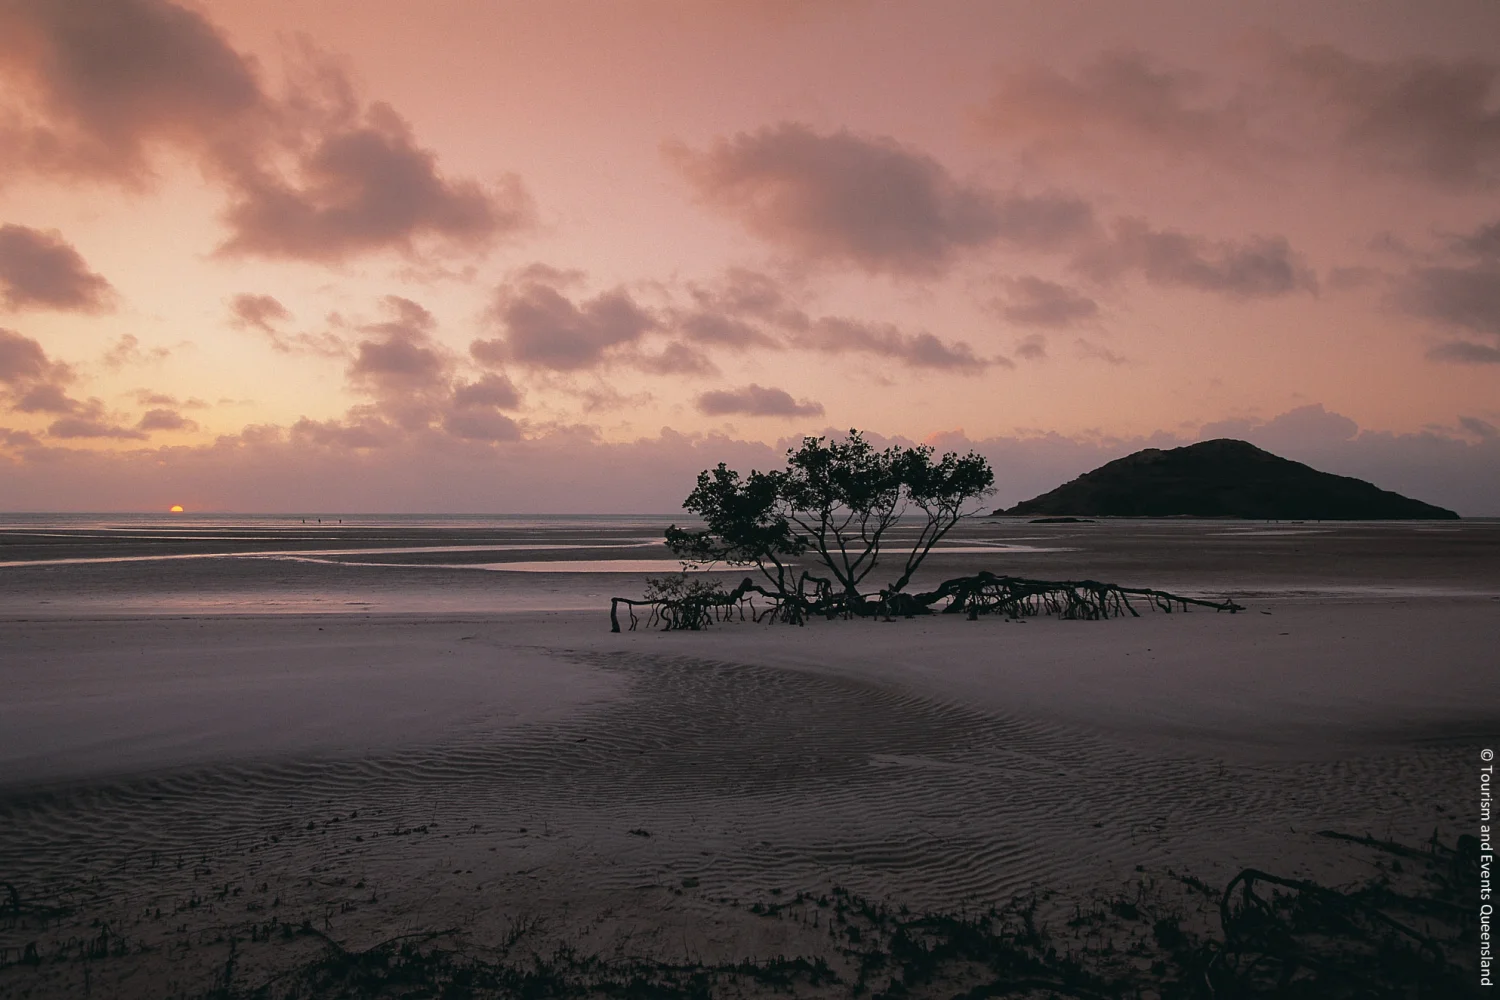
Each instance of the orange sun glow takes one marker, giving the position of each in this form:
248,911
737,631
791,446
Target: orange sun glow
176,508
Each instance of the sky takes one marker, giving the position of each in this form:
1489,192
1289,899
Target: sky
514,257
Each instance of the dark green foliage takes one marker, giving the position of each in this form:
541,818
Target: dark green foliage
745,524
837,499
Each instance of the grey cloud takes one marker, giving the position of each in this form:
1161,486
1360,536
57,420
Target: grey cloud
743,292
310,175
868,201
1123,96
88,420
362,433
677,359
1032,348
1482,429
151,398
1465,297
1465,352
42,270
22,359
721,330
33,382
1035,301
1088,349
408,376
1351,277
127,350
756,401
12,438
547,329
263,312
1308,426
110,80
923,350
475,416
45,397
365,189
1258,267
1424,117
543,328
400,364
735,311
1045,222
1305,427
491,390
1463,293
482,425
163,419
748,309
1483,243
146,397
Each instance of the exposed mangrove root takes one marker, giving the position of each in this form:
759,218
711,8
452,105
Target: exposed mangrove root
1407,932
678,603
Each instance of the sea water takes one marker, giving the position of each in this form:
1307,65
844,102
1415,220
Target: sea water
107,564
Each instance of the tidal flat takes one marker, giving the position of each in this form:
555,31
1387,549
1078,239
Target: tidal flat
282,764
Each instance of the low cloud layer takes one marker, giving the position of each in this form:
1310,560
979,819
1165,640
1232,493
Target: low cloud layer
165,419
41,270
756,401
367,466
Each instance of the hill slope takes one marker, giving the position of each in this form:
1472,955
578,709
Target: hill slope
1222,478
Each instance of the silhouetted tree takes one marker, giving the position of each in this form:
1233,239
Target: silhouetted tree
838,499
746,525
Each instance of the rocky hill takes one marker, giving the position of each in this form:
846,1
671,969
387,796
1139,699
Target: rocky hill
1222,478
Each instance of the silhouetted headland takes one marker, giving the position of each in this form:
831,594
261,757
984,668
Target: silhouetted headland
1223,478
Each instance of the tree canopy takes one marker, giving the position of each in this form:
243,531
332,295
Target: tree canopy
838,500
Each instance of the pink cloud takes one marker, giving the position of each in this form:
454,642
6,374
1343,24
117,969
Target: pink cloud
866,201
41,270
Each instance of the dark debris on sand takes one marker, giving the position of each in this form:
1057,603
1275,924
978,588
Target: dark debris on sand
1408,932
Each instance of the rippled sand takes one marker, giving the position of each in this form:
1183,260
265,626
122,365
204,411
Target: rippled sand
184,778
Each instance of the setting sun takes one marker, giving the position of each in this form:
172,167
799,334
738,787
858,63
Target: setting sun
176,509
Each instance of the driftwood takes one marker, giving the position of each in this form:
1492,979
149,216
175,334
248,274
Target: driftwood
675,604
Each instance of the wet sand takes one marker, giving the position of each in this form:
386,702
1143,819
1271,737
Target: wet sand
373,775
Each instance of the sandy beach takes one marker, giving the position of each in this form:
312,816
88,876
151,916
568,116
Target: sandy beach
188,781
